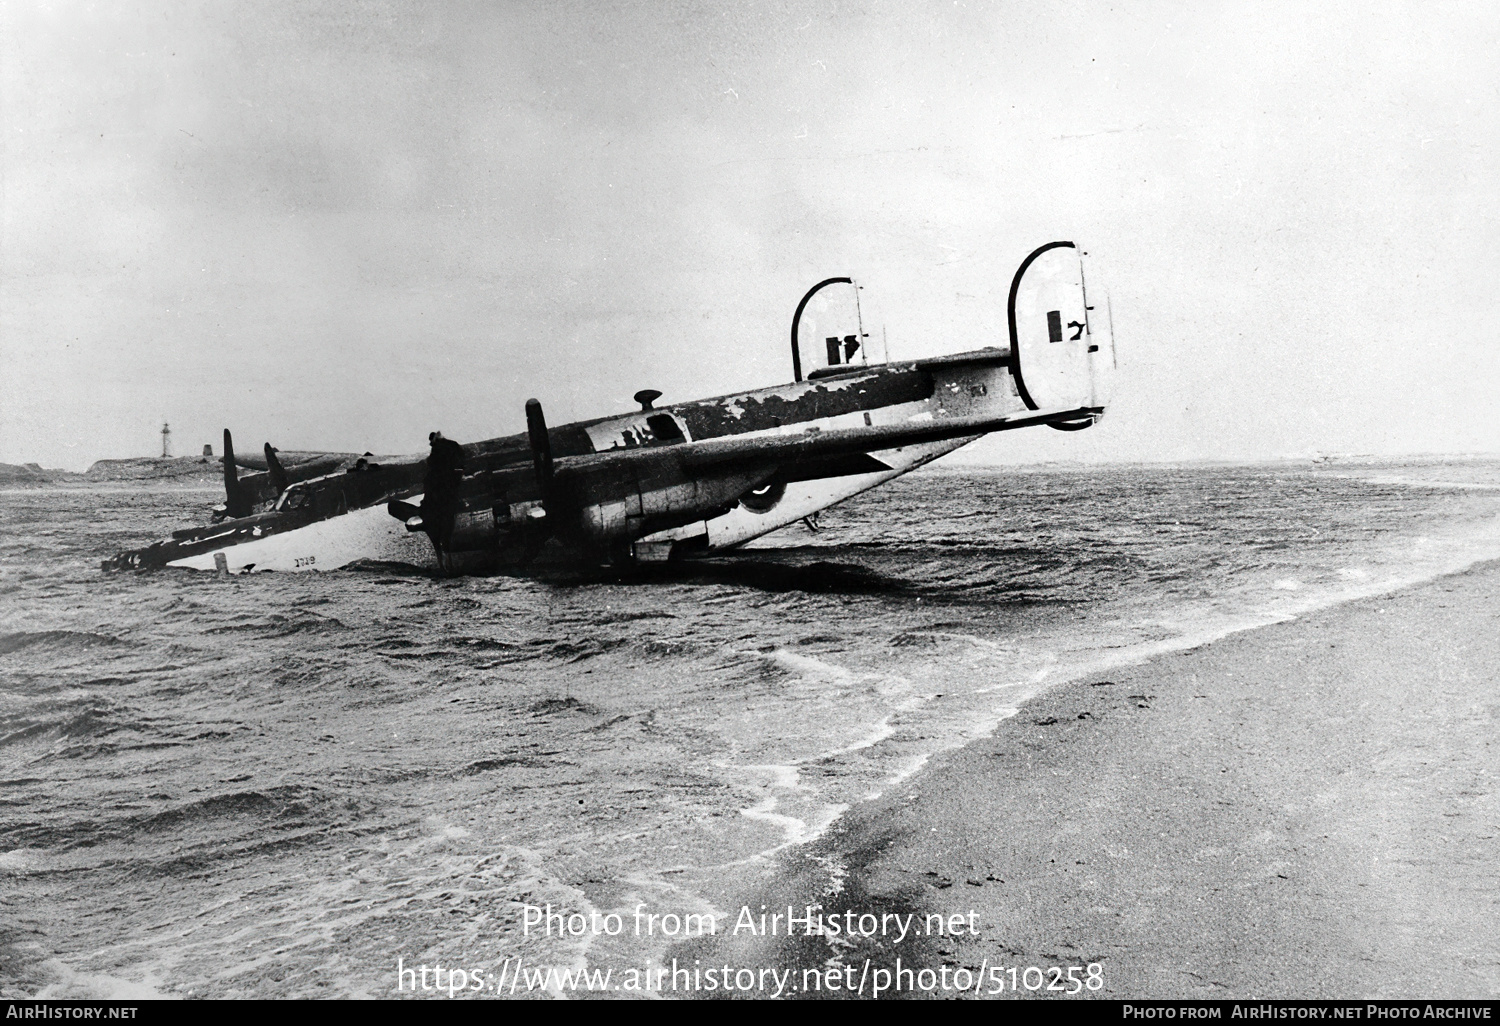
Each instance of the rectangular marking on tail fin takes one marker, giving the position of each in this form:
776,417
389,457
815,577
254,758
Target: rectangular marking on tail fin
1054,326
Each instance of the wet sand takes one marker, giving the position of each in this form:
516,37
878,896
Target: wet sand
1303,810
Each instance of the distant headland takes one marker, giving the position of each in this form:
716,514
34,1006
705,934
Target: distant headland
176,471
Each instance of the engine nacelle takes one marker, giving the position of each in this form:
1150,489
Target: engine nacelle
623,503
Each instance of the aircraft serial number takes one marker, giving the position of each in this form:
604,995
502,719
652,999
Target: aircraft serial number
305,561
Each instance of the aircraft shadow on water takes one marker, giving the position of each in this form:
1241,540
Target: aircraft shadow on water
664,483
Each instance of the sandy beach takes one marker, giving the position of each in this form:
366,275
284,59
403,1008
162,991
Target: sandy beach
1303,810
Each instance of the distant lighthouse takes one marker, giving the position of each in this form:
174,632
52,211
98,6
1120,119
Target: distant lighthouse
166,440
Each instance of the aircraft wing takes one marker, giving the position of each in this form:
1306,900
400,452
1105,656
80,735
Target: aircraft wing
291,459
737,451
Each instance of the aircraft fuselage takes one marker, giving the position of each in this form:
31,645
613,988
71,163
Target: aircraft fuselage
654,507
659,482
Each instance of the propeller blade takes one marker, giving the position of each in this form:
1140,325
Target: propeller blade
541,448
275,470
236,502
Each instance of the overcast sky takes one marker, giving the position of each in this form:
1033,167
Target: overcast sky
342,225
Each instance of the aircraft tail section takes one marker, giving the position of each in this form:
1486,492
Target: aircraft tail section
1061,342
828,328
236,502
275,471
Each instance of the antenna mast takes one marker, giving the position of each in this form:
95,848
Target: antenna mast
859,318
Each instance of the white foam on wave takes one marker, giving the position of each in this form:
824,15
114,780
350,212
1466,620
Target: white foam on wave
806,665
1418,482
71,985
985,644
910,768
780,775
880,732
795,830
21,860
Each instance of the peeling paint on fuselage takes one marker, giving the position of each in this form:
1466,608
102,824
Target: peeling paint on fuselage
762,410
805,401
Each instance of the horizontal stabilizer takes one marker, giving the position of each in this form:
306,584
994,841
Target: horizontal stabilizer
990,357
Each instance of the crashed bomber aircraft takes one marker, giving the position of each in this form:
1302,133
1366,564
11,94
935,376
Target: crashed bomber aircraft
660,483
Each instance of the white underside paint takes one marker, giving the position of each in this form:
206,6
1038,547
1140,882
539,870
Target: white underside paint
369,533
804,498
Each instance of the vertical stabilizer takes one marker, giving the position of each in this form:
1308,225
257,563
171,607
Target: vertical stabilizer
236,502
275,470
1062,351
828,328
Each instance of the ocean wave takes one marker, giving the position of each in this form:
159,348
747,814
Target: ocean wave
276,625
285,804
57,642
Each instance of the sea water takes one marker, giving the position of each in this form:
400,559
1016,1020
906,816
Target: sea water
281,785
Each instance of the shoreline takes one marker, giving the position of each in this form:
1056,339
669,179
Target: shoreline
1303,809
